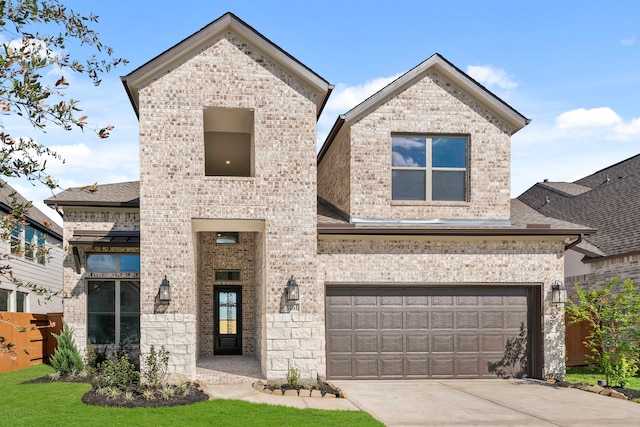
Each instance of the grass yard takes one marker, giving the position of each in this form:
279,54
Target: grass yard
60,404
590,376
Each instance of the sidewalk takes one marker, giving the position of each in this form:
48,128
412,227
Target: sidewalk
247,393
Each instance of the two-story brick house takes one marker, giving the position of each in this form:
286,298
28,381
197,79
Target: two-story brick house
410,260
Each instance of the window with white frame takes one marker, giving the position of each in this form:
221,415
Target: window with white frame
113,304
429,167
29,243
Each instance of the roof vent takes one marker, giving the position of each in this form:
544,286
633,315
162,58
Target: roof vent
546,200
546,180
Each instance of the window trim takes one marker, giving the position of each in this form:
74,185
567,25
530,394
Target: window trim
429,169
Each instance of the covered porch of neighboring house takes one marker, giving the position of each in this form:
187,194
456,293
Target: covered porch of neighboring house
230,291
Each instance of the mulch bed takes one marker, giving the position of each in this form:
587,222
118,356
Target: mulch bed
92,397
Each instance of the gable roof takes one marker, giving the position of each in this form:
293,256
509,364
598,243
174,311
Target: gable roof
120,195
608,200
192,45
440,64
35,217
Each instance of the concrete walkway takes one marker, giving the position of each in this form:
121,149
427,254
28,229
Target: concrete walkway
486,403
246,392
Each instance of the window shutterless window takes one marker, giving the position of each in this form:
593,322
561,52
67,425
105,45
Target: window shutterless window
429,168
113,311
21,302
113,263
4,299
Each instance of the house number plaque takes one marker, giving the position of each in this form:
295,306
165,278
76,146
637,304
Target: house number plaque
289,308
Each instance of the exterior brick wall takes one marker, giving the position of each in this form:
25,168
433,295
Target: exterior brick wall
334,173
230,73
602,271
432,105
455,261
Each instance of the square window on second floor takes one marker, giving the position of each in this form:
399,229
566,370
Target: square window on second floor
429,168
228,142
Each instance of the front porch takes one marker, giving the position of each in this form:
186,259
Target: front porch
228,370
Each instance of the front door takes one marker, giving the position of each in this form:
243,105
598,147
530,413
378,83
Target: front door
228,320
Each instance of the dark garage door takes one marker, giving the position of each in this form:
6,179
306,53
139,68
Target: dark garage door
425,332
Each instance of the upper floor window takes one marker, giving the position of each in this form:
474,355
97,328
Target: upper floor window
29,243
227,237
228,142
113,263
429,167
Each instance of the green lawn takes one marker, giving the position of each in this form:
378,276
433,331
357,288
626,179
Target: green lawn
591,376
60,404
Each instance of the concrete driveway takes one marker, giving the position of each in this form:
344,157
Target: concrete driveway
486,402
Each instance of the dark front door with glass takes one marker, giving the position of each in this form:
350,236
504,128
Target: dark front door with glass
228,320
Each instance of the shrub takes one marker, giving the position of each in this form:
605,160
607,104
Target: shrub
155,367
66,358
293,376
117,373
613,313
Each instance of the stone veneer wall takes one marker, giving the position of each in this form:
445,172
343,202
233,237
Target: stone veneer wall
213,257
602,271
230,73
455,261
432,105
75,307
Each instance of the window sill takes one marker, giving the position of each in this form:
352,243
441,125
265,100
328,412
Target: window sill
430,203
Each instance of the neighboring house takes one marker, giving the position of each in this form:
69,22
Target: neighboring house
410,260
34,254
609,201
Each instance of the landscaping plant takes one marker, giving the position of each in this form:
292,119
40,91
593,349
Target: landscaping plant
613,313
117,373
154,369
66,360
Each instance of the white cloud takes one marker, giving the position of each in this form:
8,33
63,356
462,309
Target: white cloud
628,41
491,77
582,118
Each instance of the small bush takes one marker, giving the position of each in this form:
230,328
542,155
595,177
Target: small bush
117,373
293,377
154,371
66,358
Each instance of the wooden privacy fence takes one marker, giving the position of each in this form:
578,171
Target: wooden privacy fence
33,346
574,337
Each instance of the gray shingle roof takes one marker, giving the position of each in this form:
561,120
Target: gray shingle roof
611,205
34,215
123,194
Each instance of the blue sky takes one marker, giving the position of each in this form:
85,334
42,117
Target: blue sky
572,67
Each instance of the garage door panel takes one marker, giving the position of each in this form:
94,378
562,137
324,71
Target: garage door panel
391,367
414,332
442,343
365,344
467,320
365,320
391,343
417,367
467,343
492,320
416,319
442,320
364,367
391,320
417,343
339,320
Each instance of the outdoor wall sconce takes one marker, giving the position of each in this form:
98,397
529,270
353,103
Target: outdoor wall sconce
292,291
164,294
558,293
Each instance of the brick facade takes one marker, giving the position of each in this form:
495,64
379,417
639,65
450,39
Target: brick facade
174,189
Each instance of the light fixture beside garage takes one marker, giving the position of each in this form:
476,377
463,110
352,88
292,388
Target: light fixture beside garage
291,297
164,293
558,292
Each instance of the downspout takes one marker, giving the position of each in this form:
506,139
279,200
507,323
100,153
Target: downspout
574,243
